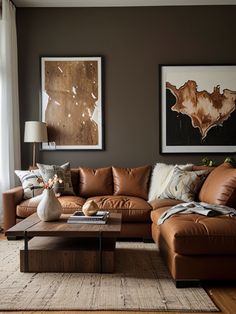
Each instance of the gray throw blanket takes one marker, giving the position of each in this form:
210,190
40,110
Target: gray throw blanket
197,208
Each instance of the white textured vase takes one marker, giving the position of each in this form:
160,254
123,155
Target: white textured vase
49,208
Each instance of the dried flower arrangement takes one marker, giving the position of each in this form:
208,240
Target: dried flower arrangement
51,182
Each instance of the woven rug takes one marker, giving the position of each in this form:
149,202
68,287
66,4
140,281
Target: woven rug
140,282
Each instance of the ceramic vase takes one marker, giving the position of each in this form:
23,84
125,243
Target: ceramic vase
49,208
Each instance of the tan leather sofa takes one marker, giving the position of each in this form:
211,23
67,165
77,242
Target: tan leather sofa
123,190
194,247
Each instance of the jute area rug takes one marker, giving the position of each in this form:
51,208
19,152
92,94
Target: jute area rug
141,282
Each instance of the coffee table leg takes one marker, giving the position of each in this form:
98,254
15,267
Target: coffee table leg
100,252
26,253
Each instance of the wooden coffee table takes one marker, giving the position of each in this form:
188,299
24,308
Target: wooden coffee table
61,247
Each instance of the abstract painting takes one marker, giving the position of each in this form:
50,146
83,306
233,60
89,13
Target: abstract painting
198,108
71,97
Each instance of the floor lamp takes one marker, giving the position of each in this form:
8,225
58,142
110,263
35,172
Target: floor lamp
35,132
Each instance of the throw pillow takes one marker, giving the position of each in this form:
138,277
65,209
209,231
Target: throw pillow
161,175
184,185
94,182
131,181
63,172
30,181
220,186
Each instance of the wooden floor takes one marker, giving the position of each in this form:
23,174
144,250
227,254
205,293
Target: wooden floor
223,295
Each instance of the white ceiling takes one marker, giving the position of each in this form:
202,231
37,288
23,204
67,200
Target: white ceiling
117,3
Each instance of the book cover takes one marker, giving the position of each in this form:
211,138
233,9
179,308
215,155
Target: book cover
79,217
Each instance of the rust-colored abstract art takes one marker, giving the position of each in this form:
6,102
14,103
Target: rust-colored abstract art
198,108
206,110
71,102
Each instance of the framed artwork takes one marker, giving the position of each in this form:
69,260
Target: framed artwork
198,108
71,102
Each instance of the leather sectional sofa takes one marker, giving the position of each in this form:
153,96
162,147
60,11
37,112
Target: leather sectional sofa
195,247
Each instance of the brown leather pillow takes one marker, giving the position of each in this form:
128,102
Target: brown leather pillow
131,181
219,186
94,182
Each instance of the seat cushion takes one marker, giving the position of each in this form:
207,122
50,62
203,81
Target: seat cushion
156,213
95,182
193,234
219,187
131,181
69,205
133,209
159,203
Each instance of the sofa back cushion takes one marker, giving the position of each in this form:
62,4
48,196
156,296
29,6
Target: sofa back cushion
219,187
131,181
94,182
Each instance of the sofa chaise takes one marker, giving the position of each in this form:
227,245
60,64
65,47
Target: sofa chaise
196,247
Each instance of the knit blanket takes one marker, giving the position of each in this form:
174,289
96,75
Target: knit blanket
197,208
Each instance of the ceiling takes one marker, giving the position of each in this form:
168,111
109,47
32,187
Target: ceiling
117,3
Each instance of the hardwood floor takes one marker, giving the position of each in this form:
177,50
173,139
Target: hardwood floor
224,296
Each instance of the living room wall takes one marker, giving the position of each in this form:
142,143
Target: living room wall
133,41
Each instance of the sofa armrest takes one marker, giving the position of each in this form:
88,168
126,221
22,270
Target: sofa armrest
10,200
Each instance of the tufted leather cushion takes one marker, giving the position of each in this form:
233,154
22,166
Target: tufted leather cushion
131,181
28,207
156,214
95,182
133,209
69,205
220,185
193,234
158,203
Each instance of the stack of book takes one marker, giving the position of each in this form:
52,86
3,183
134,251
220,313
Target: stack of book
79,218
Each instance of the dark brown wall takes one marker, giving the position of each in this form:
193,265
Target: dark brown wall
133,42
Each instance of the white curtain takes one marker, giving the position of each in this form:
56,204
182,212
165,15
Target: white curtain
9,103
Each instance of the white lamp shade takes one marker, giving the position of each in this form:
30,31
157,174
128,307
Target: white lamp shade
35,132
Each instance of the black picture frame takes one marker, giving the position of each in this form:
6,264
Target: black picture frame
197,108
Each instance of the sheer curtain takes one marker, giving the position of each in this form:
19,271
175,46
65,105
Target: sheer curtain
9,104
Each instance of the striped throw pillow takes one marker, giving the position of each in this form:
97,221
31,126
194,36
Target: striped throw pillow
30,181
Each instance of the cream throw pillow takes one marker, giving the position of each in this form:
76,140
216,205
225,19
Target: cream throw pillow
184,185
30,181
161,175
